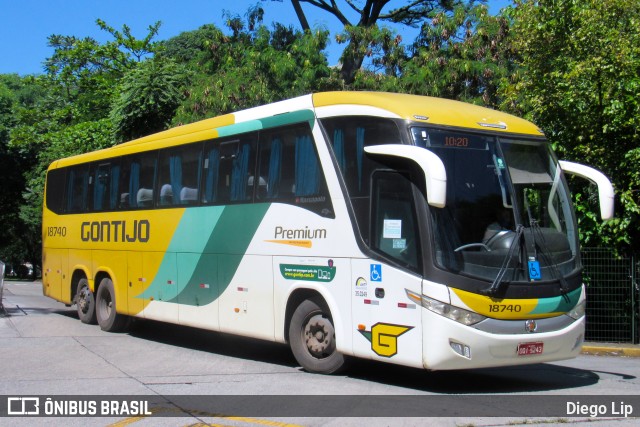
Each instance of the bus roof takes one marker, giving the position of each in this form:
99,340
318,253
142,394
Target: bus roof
416,108
431,110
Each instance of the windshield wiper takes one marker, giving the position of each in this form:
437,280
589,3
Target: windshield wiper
498,282
541,243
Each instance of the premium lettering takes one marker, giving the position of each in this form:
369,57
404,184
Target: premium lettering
115,231
301,233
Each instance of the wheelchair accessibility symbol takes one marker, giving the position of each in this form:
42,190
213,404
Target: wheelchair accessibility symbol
534,270
376,272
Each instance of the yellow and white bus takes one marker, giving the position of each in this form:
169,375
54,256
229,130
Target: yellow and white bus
406,229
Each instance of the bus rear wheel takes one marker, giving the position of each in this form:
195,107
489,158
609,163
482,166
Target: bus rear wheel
86,303
108,319
312,338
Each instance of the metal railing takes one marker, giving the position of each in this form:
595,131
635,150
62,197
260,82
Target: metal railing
612,296
2,266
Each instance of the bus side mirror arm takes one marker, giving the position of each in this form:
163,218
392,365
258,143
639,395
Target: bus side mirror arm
605,189
434,171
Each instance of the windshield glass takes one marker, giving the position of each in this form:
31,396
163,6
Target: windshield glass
507,212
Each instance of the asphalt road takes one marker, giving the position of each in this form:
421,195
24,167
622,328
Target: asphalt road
184,375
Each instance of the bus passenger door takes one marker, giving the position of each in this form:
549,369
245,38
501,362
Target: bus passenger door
387,325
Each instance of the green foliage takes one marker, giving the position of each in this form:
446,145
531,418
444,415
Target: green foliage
361,38
249,67
462,55
579,82
85,72
148,98
16,244
72,140
61,113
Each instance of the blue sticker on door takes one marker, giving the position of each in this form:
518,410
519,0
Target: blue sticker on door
375,272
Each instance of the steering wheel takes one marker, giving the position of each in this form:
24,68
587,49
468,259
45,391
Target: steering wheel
473,245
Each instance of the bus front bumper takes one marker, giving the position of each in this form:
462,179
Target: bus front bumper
450,345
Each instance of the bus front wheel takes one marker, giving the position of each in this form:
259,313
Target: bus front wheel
86,303
312,338
108,319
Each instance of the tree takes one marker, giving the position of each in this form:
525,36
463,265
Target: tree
87,72
16,95
252,65
61,113
579,81
11,249
461,55
361,32
148,98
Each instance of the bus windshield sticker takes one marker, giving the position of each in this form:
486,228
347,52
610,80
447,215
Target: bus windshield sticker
534,270
399,243
392,229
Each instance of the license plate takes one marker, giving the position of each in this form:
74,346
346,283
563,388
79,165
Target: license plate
530,348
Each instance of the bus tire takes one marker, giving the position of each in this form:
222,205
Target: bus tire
86,303
108,319
312,338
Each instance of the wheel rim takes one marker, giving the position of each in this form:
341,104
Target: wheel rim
105,305
318,334
84,299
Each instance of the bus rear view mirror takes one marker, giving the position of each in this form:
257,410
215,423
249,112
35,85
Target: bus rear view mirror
605,189
430,164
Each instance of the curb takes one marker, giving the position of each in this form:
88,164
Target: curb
602,350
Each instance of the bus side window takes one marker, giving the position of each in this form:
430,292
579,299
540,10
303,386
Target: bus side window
123,191
348,136
276,177
228,170
101,187
394,231
146,176
136,188
179,175
211,171
289,170
55,190
77,189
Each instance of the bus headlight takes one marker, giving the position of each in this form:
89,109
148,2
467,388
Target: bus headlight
449,311
579,310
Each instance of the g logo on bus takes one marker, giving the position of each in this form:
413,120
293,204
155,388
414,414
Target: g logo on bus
530,326
384,338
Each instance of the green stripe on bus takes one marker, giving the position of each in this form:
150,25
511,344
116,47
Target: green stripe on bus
559,304
267,123
238,128
288,119
209,243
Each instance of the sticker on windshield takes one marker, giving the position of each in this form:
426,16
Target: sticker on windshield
392,229
534,270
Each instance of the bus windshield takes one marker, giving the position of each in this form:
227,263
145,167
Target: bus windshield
507,213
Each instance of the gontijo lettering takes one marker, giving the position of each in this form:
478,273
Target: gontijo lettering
115,231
